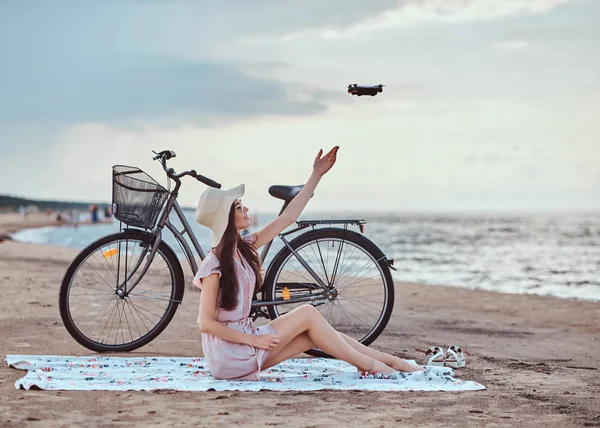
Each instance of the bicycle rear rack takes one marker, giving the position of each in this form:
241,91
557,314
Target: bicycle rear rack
359,222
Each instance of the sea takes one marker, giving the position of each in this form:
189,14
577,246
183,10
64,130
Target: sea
556,254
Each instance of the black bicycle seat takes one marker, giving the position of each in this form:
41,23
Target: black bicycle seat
287,193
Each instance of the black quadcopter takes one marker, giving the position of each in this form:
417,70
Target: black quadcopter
355,89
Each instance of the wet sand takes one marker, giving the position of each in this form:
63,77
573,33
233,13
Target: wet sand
536,355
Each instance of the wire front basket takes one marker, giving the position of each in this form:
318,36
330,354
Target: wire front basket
137,198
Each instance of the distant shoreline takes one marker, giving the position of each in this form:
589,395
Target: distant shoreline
11,223
11,204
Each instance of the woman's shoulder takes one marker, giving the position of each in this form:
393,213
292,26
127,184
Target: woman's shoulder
207,267
210,259
251,238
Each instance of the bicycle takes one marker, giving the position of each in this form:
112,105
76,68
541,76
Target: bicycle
112,300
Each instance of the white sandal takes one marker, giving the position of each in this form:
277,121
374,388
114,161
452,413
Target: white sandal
455,357
435,356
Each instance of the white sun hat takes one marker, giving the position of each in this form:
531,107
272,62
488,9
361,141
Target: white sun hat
213,210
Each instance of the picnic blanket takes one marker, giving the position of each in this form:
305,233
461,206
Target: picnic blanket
53,372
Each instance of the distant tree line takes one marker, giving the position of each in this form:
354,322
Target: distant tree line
12,203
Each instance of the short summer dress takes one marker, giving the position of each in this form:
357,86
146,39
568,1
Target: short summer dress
230,360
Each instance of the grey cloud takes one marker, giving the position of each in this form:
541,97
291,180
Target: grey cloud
288,16
153,21
278,15
390,15
111,87
68,61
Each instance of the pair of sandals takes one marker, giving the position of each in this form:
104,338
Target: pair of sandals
454,357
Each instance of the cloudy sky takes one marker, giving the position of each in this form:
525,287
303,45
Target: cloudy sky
489,104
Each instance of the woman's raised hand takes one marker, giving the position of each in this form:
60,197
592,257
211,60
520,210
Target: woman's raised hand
266,341
324,164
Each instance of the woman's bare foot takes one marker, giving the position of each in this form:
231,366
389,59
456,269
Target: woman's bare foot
401,365
379,367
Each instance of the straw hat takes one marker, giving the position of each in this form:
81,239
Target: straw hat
213,210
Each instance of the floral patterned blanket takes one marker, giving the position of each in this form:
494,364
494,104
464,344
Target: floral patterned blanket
51,372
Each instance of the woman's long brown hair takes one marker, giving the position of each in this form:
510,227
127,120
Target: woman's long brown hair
225,253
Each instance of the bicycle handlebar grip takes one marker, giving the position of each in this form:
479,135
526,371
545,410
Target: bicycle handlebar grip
208,181
171,154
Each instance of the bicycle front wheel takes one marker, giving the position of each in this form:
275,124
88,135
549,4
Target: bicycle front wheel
358,297
97,304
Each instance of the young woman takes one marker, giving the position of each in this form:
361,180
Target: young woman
228,277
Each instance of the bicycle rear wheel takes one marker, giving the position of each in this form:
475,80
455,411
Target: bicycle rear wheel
98,308
360,296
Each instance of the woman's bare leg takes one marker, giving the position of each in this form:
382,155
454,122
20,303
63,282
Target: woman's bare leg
302,343
297,345
396,363
307,319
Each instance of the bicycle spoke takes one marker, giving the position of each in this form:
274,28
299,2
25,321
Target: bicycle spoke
127,321
337,262
349,313
92,294
147,310
120,322
107,320
99,264
93,309
109,268
330,317
300,274
100,318
149,300
345,315
322,264
355,272
138,313
361,302
101,277
352,281
357,305
134,322
349,257
322,261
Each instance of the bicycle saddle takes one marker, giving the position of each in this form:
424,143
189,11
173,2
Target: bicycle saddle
287,193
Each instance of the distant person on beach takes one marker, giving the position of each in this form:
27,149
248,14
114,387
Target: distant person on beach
230,274
94,211
107,214
75,218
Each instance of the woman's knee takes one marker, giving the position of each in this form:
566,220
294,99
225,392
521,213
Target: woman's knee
311,313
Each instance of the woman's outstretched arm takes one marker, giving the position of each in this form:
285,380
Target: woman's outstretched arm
320,167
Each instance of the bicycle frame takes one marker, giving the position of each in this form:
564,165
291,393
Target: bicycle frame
164,221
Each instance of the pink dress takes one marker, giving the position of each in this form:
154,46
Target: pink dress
230,360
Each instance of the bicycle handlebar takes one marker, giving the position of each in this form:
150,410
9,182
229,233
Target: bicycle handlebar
203,179
168,154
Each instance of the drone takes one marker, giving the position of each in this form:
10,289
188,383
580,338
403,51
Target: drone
355,89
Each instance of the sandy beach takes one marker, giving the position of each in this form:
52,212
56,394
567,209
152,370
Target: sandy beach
536,355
